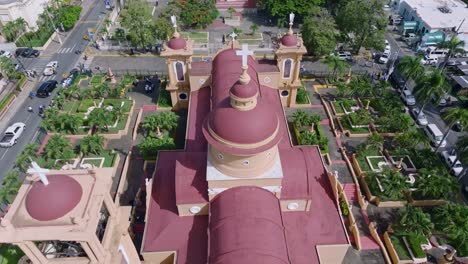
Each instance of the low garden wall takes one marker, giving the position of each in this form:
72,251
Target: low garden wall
123,179
330,117
375,235
424,202
137,123
376,200
348,133
362,202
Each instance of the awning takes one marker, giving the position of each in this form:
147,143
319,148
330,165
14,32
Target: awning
434,37
461,80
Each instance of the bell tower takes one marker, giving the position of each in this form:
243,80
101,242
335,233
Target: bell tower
178,54
289,55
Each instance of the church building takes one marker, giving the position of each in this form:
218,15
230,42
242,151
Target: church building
240,192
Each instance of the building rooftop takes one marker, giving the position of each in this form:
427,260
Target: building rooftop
441,13
6,2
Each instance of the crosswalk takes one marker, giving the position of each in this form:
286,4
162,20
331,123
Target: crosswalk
65,50
43,78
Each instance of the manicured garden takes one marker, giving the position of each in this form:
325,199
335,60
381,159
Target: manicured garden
159,131
308,131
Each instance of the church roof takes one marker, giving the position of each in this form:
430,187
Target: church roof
52,201
245,226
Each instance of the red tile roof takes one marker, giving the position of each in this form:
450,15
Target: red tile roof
201,68
266,65
190,183
246,227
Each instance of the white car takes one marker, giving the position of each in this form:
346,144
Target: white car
343,55
407,97
11,135
51,68
430,60
421,118
6,54
450,158
384,58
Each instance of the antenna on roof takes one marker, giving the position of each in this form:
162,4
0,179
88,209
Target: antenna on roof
41,172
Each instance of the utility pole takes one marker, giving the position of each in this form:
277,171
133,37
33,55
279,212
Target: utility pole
53,25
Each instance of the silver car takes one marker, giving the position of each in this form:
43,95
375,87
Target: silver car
407,97
421,119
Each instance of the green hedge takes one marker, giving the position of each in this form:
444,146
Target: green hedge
68,16
35,39
21,81
5,101
415,242
164,99
302,96
400,248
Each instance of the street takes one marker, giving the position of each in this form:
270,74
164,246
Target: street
66,57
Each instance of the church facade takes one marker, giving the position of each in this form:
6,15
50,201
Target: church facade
240,192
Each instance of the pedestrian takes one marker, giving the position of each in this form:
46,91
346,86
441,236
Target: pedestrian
85,57
157,2
224,39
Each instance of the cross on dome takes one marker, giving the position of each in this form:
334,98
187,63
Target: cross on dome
291,22
36,169
174,21
245,52
233,36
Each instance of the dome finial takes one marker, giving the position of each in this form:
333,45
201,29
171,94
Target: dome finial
245,52
174,24
36,169
291,22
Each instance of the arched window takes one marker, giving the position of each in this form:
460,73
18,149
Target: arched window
179,71
287,68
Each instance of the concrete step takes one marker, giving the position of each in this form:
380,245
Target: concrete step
368,242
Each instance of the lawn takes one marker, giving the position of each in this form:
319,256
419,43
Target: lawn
248,36
361,157
71,106
197,37
96,79
415,242
345,104
107,154
10,254
355,130
85,104
375,162
337,107
400,247
120,125
164,99
117,102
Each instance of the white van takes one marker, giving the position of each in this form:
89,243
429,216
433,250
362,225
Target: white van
435,52
435,135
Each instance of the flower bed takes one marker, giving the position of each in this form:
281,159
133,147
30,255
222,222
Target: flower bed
400,247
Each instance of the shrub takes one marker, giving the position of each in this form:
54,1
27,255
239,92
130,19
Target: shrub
35,38
164,99
415,242
68,16
302,96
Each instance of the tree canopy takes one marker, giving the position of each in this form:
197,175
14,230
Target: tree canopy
318,33
197,13
280,9
138,20
363,23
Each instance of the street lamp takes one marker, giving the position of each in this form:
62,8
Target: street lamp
52,21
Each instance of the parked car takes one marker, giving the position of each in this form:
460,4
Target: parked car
51,68
27,52
6,54
11,135
397,80
450,158
46,88
457,127
435,135
430,60
407,97
344,55
384,57
421,118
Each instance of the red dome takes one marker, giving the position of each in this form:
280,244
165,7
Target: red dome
244,127
246,227
244,91
177,43
59,197
289,40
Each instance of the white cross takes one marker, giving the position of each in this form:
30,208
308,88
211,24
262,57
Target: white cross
39,171
291,18
233,36
174,21
245,52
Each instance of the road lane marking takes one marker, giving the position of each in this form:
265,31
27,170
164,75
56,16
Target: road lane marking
29,116
4,153
35,136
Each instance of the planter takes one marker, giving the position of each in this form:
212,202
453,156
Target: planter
356,166
429,202
415,259
377,200
349,133
392,251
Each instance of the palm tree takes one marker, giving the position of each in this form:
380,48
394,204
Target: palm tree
231,11
454,46
254,28
31,149
361,86
409,140
163,120
58,147
342,89
117,112
411,67
12,178
151,146
412,220
100,118
92,144
375,141
73,91
7,194
429,85
70,122
334,63
435,184
462,154
393,184
22,162
301,118
451,116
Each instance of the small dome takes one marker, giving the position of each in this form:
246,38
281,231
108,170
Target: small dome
177,43
244,91
244,127
289,40
52,201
